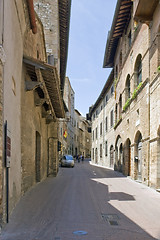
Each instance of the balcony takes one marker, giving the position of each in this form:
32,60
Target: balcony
143,9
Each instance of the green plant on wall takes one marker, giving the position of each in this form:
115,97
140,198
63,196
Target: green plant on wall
126,104
136,90
118,122
158,69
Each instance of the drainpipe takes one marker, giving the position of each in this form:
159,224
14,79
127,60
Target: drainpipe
149,29
32,16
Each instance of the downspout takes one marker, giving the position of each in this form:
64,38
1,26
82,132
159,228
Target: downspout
32,16
149,29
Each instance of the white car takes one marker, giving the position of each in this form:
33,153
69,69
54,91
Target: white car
67,161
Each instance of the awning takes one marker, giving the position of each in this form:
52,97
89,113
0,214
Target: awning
51,80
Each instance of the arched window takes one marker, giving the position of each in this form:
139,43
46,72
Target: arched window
128,89
116,113
138,70
120,60
120,106
116,72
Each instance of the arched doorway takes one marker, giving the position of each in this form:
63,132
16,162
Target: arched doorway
118,154
138,156
127,157
38,157
121,160
111,156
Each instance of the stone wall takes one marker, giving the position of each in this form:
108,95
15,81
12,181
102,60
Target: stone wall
47,11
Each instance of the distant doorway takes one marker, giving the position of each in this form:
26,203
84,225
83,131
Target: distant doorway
76,152
38,156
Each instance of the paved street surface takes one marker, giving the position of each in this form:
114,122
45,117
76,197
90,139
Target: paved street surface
86,203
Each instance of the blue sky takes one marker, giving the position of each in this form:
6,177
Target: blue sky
89,25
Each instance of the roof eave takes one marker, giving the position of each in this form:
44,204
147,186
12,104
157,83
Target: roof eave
113,37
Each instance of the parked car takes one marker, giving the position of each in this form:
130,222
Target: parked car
67,161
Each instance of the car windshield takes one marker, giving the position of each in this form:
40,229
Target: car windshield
68,157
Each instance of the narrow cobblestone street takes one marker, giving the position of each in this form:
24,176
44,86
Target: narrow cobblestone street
86,202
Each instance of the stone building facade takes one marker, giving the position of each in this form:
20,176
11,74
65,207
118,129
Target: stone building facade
31,101
84,137
132,50
76,132
69,97
102,116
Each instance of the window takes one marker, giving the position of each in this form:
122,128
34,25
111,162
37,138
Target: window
100,150
106,148
116,72
112,89
100,129
93,153
120,60
93,135
138,70
111,118
89,129
96,132
101,107
129,39
106,98
116,113
139,73
106,124
128,90
120,105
